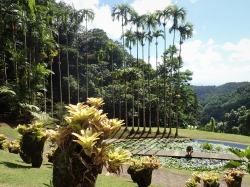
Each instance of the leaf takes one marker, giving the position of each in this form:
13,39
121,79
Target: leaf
237,152
232,164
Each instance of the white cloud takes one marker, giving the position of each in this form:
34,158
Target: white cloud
193,1
210,42
143,6
240,50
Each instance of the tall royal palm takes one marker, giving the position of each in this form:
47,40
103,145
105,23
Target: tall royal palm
89,15
186,31
164,15
177,14
156,35
130,40
150,22
138,21
122,12
77,17
110,46
142,36
65,18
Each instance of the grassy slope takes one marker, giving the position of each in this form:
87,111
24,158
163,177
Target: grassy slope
15,173
193,134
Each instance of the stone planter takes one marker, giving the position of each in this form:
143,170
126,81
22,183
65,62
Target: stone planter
141,177
31,150
236,182
71,167
211,185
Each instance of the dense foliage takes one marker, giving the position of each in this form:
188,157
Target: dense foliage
228,105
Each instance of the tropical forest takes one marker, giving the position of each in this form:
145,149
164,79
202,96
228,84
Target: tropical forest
75,89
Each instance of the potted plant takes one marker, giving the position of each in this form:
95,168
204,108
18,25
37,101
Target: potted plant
209,178
191,183
14,146
141,169
233,177
49,154
3,142
82,148
32,143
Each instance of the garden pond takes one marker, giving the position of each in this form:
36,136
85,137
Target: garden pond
180,144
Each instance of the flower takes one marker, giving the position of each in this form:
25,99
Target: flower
236,172
191,183
233,174
208,177
145,162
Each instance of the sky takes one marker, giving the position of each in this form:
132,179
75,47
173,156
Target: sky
218,52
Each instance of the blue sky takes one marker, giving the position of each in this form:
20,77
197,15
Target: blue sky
219,51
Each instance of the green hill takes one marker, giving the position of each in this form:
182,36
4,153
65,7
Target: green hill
218,100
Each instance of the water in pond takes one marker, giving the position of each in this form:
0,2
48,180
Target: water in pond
230,144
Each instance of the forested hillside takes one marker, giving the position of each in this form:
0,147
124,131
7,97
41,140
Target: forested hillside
49,58
218,100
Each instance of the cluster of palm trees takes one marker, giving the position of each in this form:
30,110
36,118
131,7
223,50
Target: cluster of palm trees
144,24
48,55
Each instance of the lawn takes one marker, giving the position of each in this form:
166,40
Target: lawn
16,173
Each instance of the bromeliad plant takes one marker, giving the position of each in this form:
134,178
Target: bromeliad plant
191,183
233,177
209,178
14,146
32,143
83,149
141,169
3,142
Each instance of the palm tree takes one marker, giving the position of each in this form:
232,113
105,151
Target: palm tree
142,35
186,31
58,20
110,45
122,11
101,55
165,15
138,21
150,22
130,40
177,13
65,17
157,34
77,17
89,15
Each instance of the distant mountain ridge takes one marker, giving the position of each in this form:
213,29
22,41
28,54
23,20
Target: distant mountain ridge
218,100
222,89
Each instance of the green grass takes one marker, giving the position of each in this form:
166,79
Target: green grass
188,133
16,173
10,132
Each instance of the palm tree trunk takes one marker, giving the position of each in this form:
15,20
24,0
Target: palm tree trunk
164,87
149,94
67,57
178,93
170,92
125,84
143,93
87,68
157,90
51,92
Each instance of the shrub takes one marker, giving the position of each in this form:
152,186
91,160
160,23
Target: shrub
207,146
